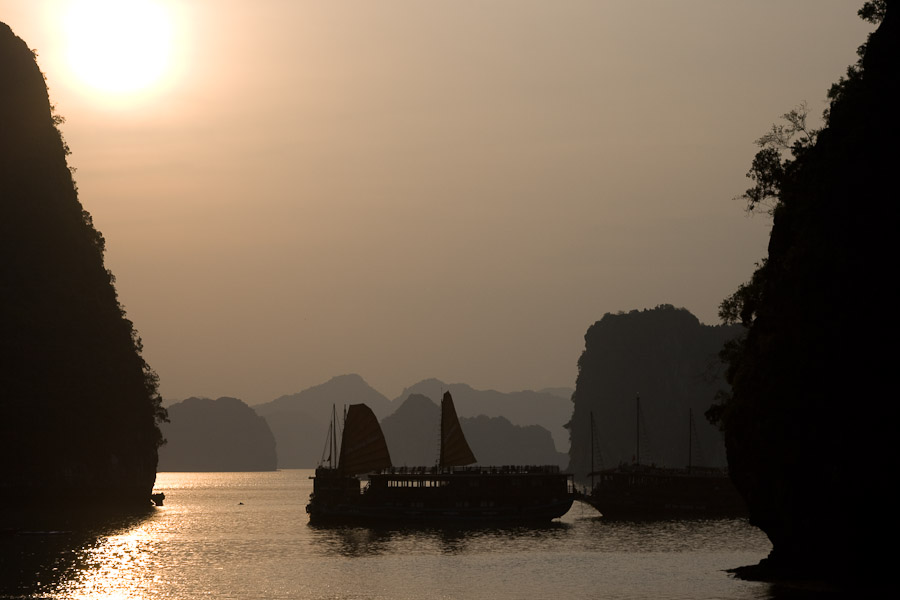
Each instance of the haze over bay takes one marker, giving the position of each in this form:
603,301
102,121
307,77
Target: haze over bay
409,190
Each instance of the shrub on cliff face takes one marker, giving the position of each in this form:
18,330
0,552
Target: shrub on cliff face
78,405
805,424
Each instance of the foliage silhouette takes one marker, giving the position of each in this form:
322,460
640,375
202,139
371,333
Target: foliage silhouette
809,459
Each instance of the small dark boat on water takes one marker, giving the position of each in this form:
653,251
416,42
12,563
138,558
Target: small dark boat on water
451,491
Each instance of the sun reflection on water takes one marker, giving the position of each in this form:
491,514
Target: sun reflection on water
116,566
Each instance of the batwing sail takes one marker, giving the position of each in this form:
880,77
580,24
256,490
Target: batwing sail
455,451
363,448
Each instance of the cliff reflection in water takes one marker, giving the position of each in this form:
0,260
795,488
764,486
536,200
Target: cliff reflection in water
59,553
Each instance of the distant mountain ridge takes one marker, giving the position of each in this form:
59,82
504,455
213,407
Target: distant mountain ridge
341,389
413,437
549,409
413,432
300,421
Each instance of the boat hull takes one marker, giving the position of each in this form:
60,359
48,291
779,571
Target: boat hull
468,495
648,492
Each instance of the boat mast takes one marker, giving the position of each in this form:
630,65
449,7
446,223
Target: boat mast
637,417
333,436
592,451
690,436
440,455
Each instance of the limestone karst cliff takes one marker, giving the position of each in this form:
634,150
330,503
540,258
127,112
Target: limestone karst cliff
79,404
672,360
808,426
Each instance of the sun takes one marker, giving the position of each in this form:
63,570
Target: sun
119,47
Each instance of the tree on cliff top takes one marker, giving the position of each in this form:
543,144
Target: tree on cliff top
79,405
805,425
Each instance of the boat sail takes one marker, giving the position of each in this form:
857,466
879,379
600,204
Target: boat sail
363,448
455,450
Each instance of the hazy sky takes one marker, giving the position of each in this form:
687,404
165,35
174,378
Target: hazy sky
412,189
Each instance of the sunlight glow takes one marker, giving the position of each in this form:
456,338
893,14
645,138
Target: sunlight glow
119,47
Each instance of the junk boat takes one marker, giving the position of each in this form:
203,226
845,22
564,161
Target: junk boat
649,492
451,491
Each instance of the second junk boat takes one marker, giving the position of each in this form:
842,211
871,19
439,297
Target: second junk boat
647,491
450,491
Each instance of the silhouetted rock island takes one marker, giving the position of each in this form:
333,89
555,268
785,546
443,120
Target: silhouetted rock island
79,405
216,435
808,426
668,357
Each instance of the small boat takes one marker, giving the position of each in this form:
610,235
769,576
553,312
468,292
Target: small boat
452,491
648,491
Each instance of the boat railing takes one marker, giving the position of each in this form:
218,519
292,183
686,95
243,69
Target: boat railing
653,471
479,470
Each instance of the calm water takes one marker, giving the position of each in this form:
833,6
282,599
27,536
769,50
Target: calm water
246,535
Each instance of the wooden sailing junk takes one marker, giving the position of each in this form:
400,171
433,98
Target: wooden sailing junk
451,491
647,491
